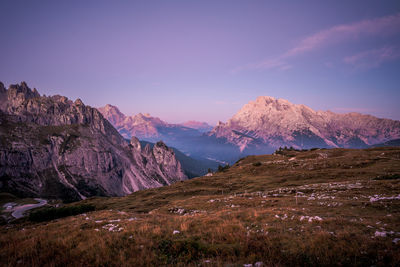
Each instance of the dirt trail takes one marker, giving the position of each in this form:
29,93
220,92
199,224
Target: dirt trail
20,210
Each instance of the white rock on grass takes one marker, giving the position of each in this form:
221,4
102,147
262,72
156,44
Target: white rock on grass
113,227
311,218
376,198
380,234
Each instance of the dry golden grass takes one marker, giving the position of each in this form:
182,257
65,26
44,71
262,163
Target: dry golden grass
245,215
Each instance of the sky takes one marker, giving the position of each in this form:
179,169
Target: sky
203,60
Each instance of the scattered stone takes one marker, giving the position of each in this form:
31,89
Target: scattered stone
380,234
376,198
113,227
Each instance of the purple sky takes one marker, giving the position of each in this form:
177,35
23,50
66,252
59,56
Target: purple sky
203,60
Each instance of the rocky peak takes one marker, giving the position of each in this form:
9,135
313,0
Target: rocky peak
18,93
265,99
113,114
147,149
147,119
161,145
163,154
78,102
135,143
2,88
166,159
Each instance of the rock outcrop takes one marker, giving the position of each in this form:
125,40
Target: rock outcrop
53,147
271,123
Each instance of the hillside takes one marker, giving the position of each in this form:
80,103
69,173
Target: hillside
317,207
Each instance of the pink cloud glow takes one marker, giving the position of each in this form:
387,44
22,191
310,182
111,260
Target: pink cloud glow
383,26
387,25
373,58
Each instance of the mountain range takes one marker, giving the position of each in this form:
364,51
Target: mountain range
261,127
53,147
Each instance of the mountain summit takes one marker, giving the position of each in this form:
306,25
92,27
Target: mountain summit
269,123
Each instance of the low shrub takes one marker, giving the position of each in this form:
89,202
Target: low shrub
387,177
223,168
48,214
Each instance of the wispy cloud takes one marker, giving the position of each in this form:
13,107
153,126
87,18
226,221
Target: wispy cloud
352,109
220,102
373,58
278,63
224,103
383,26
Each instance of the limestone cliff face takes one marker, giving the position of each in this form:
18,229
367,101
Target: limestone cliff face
166,160
53,147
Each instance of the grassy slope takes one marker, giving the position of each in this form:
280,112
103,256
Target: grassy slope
247,214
